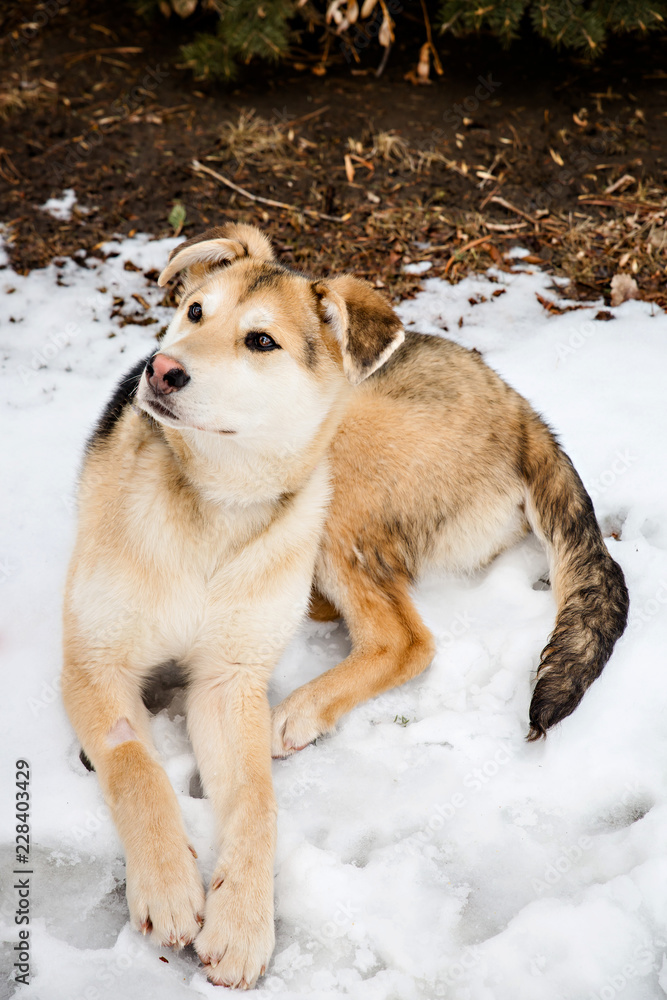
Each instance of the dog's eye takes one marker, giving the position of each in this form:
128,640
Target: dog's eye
195,312
257,341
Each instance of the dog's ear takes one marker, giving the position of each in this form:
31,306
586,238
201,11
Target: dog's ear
366,328
221,245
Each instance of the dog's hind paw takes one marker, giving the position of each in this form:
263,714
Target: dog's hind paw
294,724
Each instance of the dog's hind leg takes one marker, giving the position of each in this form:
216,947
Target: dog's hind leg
320,609
390,644
164,889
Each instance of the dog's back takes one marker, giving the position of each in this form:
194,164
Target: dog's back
439,462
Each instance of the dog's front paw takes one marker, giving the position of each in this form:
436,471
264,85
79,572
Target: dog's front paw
166,896
295,723
238,938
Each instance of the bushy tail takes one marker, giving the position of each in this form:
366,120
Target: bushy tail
588,585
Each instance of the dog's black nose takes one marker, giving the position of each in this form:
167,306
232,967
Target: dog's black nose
165,375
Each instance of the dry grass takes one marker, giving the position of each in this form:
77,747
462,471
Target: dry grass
383,203
18,95
623,231
392,149
252,136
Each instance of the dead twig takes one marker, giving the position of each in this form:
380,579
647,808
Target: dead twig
625,181
497,200
383,62
485,201
637,206
122,50
505,227
304,118
11,174
199,168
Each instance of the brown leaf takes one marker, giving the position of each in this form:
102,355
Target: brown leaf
552,308
386,34
183,7
658,238
623,287
424,64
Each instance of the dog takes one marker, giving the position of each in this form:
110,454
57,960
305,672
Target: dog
290,448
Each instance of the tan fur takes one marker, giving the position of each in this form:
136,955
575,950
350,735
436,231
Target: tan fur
204,527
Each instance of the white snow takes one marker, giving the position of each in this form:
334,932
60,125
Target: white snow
61,208
424,850
419,267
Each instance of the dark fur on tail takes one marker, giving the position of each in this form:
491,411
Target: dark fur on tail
588,585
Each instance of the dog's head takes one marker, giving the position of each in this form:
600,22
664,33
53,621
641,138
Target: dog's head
257,350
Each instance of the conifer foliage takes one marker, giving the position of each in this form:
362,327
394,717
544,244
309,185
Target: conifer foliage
246,30
582,25
243,31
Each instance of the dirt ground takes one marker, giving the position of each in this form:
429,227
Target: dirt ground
524,147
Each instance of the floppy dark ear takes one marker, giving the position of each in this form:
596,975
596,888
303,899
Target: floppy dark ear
367,329
223,244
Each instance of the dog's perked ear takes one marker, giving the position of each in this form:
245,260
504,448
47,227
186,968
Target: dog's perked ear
366,328
221,245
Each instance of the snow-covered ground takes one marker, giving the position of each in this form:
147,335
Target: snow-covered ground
424,850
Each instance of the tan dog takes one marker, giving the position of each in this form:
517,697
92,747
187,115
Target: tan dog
288,436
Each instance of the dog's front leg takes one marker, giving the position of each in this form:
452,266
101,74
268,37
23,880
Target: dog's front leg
164,889
230,726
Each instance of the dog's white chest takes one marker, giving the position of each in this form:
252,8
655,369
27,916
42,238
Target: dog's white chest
191,580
